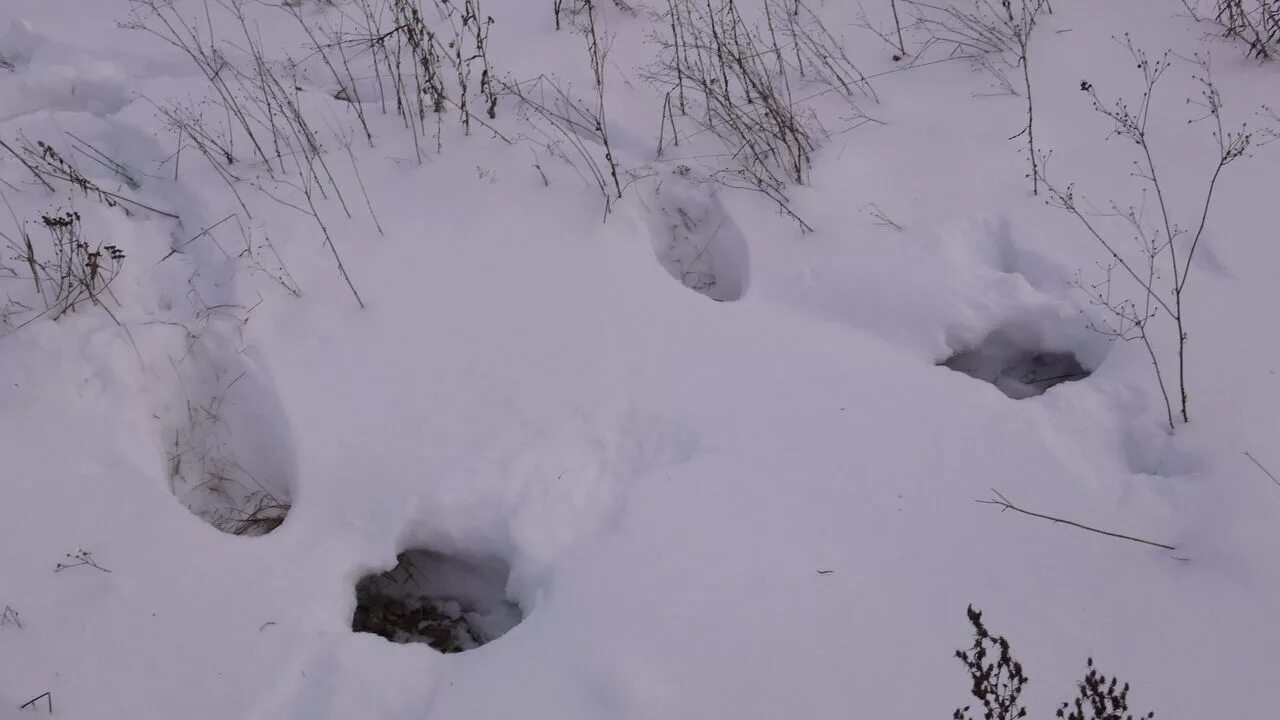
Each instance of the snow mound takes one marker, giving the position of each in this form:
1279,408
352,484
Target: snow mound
54,78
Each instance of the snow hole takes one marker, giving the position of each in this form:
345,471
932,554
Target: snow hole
450,602
227,442
1019,369
697,242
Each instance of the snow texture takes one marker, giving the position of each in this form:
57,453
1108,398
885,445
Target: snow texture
762,507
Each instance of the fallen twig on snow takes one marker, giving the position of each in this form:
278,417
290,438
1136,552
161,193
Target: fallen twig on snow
10,617
1005,504
1261,467
46,696
81,558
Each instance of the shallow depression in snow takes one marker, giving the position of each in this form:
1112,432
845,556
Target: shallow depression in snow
696,240
452,603
228,445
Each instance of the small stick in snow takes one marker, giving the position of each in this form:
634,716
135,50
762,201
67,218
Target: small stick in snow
89,151
1261,467
882,218
368,203
28,165
10,617
81,558
202,233
46,696
1005,504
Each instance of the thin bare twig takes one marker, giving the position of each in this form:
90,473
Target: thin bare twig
1004,504
28,165
202,233
81,559
1261,467
46,696
10,617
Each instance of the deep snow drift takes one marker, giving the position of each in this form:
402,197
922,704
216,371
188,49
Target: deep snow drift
711,454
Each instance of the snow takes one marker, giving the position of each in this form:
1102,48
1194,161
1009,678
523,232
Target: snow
760,507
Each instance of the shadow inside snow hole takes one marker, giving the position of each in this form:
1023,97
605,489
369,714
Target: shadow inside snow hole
696,240
449,602
1018,371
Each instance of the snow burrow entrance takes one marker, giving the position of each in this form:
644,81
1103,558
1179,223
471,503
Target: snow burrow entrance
696,240
1020,369
452,603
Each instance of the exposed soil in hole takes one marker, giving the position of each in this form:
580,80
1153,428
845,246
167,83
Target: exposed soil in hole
449,602
1019,372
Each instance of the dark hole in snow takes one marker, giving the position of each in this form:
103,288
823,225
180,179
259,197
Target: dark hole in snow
1018,371
449,602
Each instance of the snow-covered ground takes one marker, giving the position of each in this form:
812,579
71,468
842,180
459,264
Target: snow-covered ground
716,452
